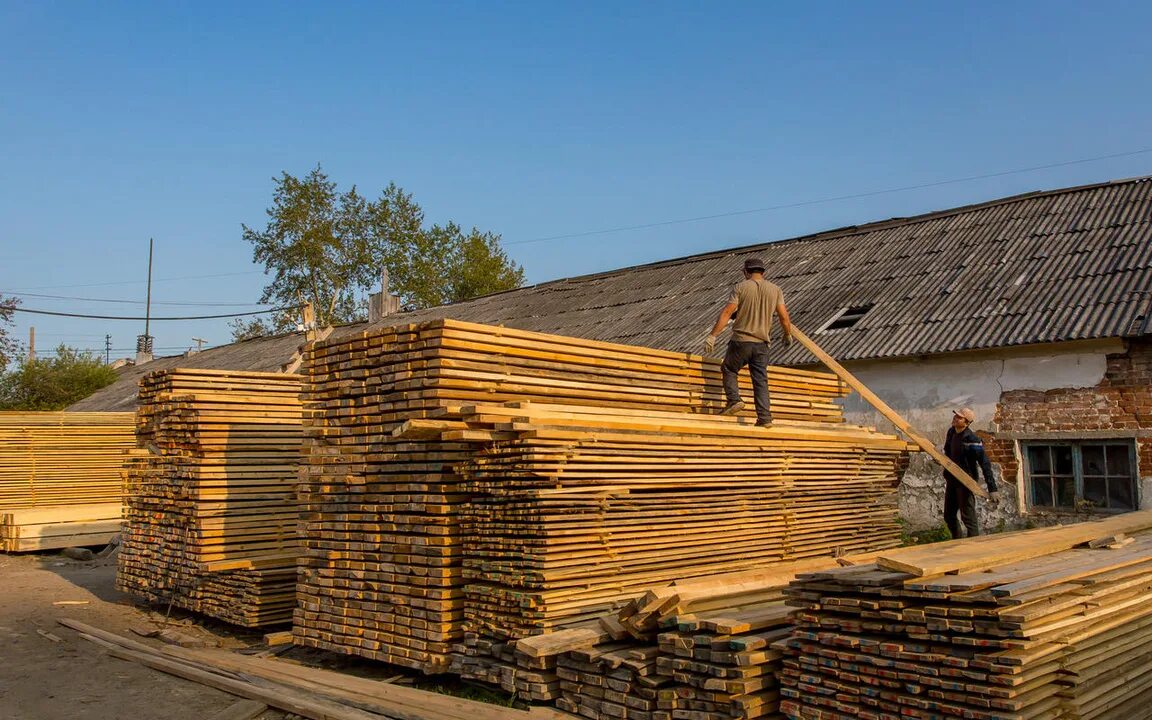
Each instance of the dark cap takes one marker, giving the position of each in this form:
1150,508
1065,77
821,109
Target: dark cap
754,264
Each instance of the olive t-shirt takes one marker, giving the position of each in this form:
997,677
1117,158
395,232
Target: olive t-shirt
756,302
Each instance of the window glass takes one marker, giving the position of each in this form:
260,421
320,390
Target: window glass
1096,491
1062,459
1093,459
1120,494
1119,461
1038,460
1042,492
1065,491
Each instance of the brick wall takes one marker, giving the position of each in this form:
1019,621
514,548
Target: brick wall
1122,402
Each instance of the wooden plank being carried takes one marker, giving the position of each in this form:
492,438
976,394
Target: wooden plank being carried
893,416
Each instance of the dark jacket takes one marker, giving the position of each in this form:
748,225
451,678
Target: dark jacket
970,456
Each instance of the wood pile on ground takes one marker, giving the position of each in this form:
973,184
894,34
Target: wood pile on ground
454,469
697,649
1001,627
62,458
210,519
52,528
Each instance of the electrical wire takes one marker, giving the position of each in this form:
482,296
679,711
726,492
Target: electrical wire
117,317
154,280
128,302
837,198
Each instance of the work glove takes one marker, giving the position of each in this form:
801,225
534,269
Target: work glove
710,343
994,498
788,339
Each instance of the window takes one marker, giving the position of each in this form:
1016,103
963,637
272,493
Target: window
847,318
1099,475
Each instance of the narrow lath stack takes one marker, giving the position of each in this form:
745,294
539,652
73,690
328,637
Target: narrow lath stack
1004,627
62,458
210,521
389,420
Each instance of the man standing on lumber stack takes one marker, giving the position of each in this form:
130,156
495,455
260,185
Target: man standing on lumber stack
754,302
964,447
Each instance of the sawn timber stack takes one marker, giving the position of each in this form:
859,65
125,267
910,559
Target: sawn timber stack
210,520
416,506
62,458
1019,626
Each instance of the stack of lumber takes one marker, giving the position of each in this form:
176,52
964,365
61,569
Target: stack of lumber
1004,627
52,528
702,651
382,574
582,506
62,458
210,520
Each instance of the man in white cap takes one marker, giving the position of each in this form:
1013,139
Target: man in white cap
755,301
964,447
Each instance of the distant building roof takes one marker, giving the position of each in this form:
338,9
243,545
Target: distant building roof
1051,266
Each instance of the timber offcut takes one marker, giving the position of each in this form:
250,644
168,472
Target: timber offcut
469,485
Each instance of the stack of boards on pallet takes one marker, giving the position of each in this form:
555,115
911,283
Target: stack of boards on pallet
210,517
1002,627
470,478
60,478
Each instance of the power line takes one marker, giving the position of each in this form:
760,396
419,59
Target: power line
190,317
837,198
127,302
155,280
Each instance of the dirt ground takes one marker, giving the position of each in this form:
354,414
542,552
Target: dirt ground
73,679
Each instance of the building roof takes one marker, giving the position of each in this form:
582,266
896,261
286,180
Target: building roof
1052,266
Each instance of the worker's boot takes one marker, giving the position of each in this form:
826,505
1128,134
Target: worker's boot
733,408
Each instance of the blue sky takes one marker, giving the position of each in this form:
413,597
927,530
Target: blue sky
125,121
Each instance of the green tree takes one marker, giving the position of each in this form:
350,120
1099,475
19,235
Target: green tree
329,248
8,344
53,383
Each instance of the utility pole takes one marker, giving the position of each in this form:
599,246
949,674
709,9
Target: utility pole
107,349
31,343
199,343
144,342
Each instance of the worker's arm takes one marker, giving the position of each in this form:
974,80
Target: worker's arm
785,321
986,469
722,321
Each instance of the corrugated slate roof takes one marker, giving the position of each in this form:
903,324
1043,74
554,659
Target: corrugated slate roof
1051,266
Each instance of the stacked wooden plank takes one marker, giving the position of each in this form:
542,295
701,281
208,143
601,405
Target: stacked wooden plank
1006,627
61,458
210,521
55,527
584,505
697,648
383,573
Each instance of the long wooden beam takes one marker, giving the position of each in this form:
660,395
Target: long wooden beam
893,416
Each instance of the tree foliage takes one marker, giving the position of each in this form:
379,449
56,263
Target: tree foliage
53,383
8,345
331,247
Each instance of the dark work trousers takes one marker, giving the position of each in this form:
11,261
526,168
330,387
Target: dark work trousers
755,356
959,499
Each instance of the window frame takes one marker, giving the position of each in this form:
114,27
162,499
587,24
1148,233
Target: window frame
1078,475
